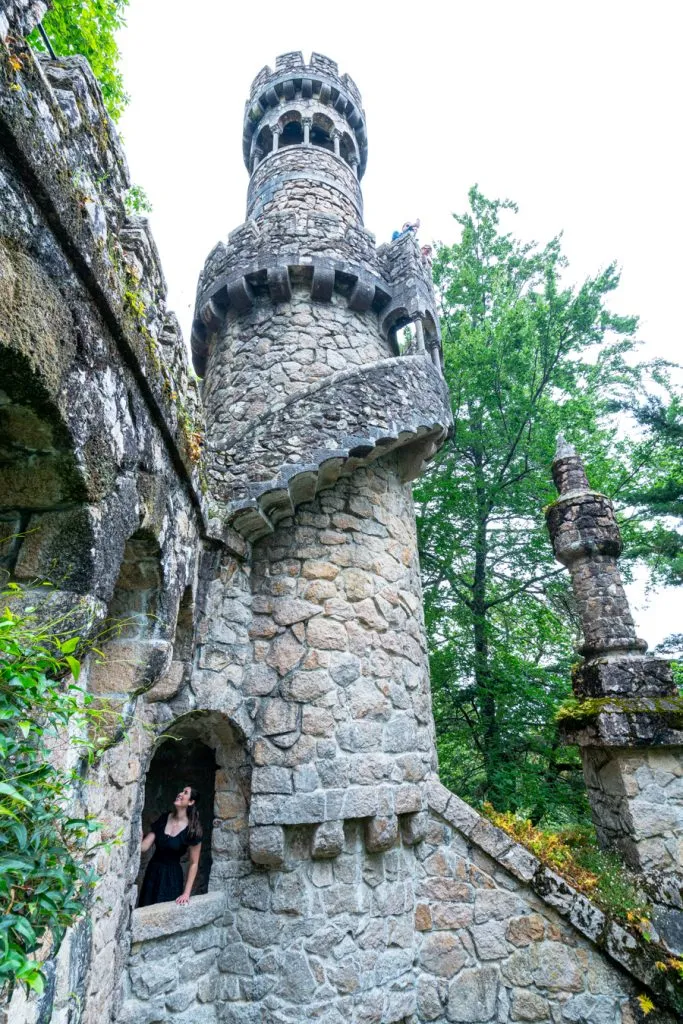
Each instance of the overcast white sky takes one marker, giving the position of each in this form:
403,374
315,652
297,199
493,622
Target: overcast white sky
572,109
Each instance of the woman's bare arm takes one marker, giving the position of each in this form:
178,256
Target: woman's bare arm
191,873
148,842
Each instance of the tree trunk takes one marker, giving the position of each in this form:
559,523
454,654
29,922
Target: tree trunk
484,683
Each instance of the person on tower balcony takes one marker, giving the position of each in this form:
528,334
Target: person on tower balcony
410,227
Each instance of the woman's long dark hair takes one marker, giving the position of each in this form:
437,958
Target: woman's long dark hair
194,825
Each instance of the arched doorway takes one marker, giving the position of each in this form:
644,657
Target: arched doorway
205,750
178,763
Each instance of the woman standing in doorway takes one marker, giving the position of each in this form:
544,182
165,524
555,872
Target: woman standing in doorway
172,835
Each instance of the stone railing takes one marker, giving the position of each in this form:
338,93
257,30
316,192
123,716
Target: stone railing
173,971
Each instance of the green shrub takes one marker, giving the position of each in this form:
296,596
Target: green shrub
45,851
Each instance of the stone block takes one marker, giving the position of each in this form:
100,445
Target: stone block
168,919
556,968
407,799
267,845
288,610
129,666
442,954
168,685
146,983
472,995
489,940
181,998
381,833
328,840
297,982
271,780
277,716
529,1005
414,828
326,634
360,802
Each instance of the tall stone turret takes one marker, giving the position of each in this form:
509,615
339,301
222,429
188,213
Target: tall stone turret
629,721
315,425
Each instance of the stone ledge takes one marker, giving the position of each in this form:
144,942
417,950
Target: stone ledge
633,954
164,919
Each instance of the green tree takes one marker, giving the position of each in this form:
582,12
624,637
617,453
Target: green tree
525,358
89,27
653,492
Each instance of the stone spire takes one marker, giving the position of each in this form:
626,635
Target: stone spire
629,720
586,539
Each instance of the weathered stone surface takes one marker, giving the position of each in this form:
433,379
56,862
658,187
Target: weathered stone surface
328,840
267,845
169,919
472,995
381,833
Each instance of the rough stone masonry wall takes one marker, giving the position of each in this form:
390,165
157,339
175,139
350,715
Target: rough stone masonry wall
93,456
267,355
637,801
339,645
304,179
439,932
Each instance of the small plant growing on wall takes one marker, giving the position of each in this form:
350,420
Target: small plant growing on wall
45,850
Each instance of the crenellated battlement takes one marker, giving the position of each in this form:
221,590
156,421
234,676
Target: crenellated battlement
321,106
319,252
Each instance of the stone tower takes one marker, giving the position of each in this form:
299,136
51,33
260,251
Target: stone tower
314,428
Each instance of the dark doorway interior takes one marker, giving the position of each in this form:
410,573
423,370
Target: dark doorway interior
179,763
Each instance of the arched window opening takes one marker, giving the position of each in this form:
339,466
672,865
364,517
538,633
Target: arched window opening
203,750
184,630
176,764
321,137
405,338
135,601
292,134
347,149
264,143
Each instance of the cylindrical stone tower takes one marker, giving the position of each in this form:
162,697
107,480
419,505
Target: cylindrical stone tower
315,426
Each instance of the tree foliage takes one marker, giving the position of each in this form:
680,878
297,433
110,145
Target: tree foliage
653,494
89,27
525,358
44,848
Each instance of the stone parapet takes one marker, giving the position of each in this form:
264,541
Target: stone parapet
305,443
319,251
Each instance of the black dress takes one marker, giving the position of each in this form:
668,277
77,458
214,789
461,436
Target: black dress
163,879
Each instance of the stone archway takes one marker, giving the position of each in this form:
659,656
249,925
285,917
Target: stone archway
205,750
186,761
